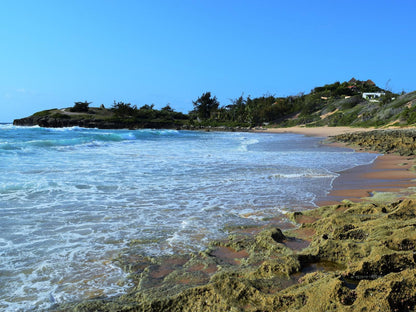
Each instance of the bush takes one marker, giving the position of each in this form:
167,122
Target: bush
80,107
351,102
409,116
122,109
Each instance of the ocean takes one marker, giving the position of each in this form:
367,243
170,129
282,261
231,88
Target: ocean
73,199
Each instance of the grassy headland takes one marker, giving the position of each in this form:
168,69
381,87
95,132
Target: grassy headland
119,116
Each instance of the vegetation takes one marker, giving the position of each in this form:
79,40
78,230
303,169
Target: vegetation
45,112
206,107
123,110
80,107
336,104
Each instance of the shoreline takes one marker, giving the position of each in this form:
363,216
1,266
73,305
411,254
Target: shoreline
388,173
324,132
273,271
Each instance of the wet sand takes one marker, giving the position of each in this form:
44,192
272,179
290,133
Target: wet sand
388,173
315,131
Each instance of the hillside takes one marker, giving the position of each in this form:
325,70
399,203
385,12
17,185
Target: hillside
354,103
397,110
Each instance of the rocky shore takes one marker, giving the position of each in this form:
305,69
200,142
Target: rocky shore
63,120
360,257
343,257
91,122
102,118
400,141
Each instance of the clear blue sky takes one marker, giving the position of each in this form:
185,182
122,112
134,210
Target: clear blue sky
54,53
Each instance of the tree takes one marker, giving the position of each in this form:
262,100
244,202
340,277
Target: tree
167,108
236,110
206,106
80,107
147,107
123,109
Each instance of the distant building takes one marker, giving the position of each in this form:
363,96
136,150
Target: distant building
373,96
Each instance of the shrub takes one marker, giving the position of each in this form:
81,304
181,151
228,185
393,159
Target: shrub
80,107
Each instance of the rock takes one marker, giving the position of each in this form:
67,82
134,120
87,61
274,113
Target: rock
370,248
401,141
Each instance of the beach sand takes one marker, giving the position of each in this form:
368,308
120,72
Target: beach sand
388,173
316,131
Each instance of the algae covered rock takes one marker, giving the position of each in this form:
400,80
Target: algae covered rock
360,258
398,141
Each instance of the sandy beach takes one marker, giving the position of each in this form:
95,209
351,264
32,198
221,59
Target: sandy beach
316,131
388,173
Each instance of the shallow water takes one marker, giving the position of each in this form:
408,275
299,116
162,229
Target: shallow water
72,199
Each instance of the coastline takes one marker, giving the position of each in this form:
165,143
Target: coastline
273,271
315,131
388,173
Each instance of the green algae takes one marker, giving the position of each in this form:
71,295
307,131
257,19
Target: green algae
383,197
400,141
360,258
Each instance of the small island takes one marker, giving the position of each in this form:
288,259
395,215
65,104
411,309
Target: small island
120,116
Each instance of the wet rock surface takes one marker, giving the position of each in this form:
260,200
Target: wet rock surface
400,141
360,257
91,122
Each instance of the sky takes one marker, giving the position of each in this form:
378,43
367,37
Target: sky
55,53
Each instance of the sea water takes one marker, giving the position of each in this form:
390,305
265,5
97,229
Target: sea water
72,199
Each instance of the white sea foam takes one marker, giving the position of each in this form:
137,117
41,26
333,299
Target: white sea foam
63,129
246,142
304,175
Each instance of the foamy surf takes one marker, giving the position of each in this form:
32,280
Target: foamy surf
72,199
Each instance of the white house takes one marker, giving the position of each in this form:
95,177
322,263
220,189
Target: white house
373,96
